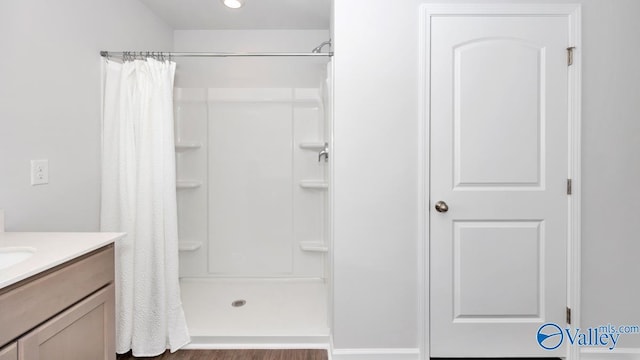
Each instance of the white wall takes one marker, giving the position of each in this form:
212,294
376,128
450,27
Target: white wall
611,168
50,103
251,71
249,40
376,171
377,195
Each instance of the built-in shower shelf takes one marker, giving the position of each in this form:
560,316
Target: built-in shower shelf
187,184
315,146
185,146
314,246
314,184
189,245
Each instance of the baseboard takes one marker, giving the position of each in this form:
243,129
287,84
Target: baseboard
257,342
375,354
606,354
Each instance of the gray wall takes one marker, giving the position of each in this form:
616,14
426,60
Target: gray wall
611,165
50,103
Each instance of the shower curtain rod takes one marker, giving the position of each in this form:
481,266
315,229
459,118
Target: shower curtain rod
207,54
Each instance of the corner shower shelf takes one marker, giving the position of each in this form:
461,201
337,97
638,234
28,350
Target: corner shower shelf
315,146
187,184
189,245
184,146
314,246
314,184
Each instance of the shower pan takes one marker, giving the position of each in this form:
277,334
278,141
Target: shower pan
253,203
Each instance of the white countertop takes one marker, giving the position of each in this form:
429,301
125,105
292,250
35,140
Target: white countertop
52,249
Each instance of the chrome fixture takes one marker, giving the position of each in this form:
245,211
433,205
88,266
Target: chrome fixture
324,152
140,54
318,48
442,207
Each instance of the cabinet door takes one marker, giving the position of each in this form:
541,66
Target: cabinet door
84,331
9,352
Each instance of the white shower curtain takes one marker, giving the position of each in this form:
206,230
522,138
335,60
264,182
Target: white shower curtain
139,198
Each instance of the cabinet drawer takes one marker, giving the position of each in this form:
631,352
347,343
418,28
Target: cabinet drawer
84,331
9,352
31,303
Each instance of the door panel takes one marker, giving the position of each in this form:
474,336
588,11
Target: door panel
513,160
482,250
499,159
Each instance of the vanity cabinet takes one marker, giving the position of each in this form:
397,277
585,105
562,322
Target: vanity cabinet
78,333
9,352
67,313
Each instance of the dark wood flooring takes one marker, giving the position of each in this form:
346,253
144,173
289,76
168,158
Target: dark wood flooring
236,355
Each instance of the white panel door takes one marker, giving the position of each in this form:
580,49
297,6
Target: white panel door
499,160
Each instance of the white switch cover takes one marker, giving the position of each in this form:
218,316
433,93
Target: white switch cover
39,172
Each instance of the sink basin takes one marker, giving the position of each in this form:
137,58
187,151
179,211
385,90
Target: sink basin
10,256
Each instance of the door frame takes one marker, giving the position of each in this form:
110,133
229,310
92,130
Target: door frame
573,14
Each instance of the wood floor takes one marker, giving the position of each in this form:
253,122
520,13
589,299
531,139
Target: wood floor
237,355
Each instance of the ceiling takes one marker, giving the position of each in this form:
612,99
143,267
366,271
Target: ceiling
255,14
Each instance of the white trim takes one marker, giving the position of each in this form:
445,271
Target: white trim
423,185
376,354
331,347
573,12
606,354
498,9
331,201
575,153
257,342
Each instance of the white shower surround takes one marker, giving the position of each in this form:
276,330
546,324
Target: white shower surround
245,161
198,81
253,211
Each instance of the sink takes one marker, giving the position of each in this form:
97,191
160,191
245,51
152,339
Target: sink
10,256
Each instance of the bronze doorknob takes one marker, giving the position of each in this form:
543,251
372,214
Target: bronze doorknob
442,207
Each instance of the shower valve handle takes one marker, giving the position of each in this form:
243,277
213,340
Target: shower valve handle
324,152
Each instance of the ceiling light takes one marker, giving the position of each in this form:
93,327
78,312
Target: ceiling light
233,4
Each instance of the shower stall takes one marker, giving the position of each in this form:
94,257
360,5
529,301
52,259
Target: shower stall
253,139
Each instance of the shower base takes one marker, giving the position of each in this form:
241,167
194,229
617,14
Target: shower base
277,313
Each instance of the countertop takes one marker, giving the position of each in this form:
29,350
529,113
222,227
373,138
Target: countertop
52,249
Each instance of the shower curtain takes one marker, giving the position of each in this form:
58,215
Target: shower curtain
139,198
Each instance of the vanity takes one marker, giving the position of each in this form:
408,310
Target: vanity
57,297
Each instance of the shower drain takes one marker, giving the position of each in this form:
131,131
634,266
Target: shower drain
238,303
